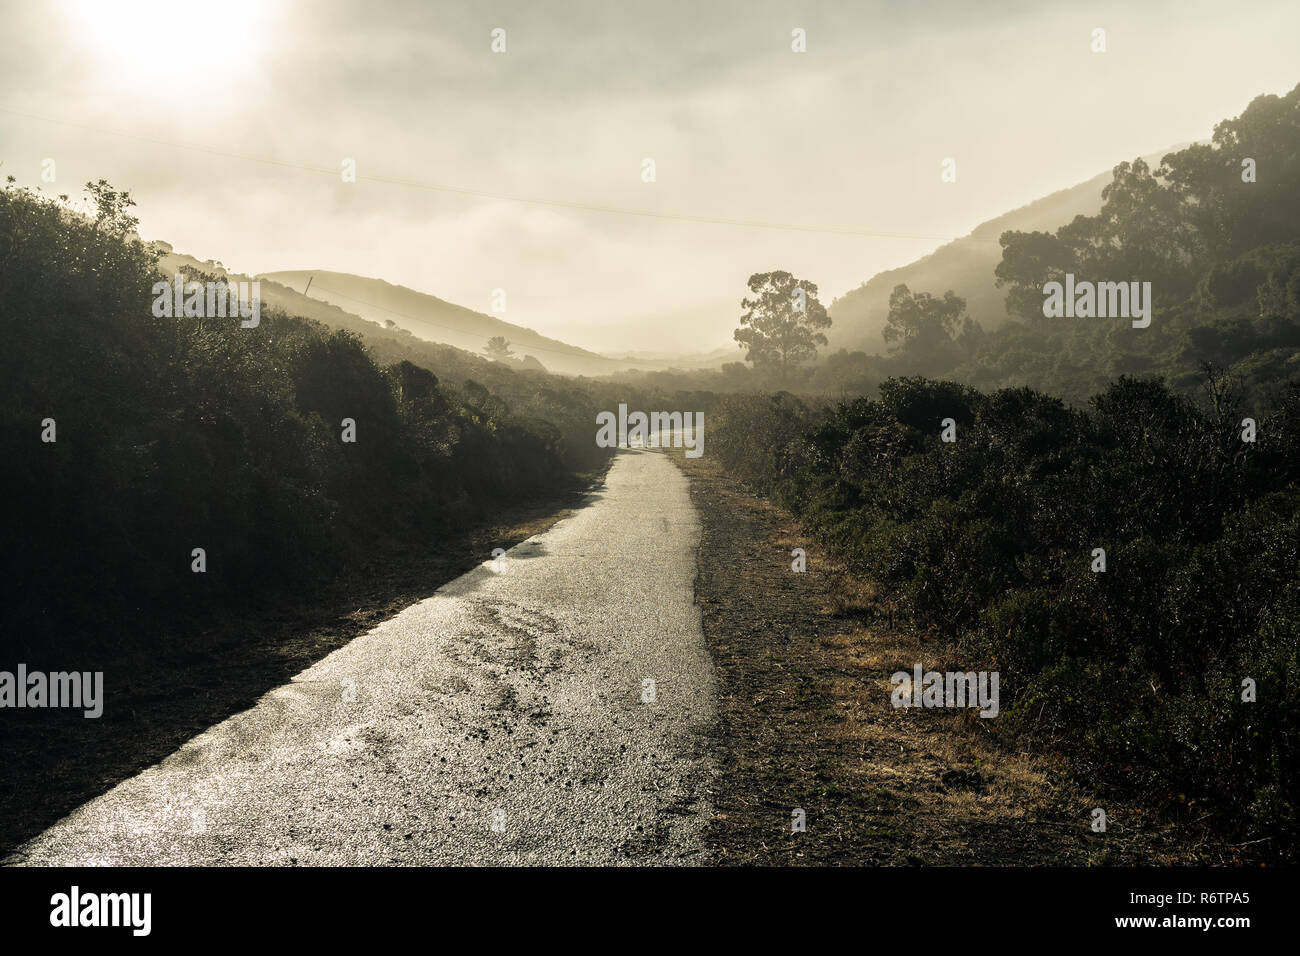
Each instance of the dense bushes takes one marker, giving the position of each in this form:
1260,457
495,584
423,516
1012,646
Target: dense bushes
175,434
1138,670
991,540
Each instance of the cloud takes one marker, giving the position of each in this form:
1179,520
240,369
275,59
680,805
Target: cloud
849,135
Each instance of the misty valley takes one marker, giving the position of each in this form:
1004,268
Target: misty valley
355,386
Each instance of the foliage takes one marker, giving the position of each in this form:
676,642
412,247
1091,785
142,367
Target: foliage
990,541
781,325
176,434
497,348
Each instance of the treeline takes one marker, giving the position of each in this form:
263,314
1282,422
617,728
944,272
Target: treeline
526,392
176,434
1215,229
1119,550
1137,670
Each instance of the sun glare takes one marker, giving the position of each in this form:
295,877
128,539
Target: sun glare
170,45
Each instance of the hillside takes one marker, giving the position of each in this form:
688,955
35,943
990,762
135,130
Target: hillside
964,265
389,343
435,320
239,444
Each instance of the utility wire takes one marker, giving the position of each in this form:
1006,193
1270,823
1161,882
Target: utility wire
509,197
467,191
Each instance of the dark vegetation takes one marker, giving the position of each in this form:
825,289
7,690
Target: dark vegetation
804,720
1136,671
176,434
1223,257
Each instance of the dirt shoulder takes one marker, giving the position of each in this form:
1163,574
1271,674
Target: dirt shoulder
802,664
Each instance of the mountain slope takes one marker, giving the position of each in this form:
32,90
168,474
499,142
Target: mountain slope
964,265
436,320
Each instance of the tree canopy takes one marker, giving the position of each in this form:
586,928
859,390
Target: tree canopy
781,326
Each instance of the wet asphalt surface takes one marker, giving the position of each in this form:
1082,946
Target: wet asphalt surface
508,719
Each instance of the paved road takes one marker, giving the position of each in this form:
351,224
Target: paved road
501,720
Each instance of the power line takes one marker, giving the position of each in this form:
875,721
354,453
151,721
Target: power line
462,190
508,197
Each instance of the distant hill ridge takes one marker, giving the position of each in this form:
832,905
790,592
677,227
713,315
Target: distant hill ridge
437,320
964,265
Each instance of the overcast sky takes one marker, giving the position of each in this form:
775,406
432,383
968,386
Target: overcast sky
847,136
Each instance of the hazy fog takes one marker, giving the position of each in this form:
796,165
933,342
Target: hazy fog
848,135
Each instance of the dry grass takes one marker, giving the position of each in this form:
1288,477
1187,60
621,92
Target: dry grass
803,663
